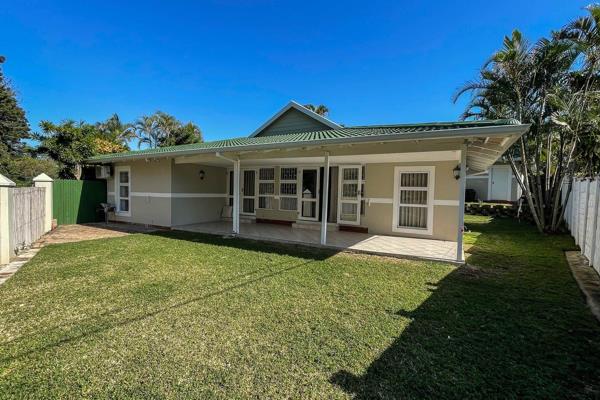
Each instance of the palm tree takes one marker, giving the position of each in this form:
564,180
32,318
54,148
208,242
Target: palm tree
147,131
114,130
321,109
538,85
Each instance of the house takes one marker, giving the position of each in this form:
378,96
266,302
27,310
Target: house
302,174
497,184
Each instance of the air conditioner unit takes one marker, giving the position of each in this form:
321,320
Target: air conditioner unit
103,172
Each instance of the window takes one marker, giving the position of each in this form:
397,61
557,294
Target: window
413,200
122,191
266,188
288,189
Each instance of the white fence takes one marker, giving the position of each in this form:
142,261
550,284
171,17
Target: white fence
582,216
25,215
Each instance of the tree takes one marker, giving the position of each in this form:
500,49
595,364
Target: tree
162,129
321,109
553,86
68,143
115,131
13,123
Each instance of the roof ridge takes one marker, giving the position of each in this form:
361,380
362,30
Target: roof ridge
502,121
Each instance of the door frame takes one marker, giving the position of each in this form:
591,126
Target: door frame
358,197
299,190
508,182
243,196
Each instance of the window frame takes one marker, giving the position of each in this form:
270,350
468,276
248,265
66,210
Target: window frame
118,185
430,170
281,182
272,195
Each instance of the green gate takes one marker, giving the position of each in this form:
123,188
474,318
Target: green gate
76,202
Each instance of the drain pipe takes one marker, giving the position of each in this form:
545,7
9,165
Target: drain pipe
236,191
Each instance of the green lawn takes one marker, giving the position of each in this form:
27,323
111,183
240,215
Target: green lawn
187,315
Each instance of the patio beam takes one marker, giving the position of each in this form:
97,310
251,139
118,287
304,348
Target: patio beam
462,182
325,204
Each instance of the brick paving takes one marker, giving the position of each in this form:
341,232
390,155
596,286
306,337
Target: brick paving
69,234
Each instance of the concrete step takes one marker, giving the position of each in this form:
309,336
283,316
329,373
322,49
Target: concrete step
313,225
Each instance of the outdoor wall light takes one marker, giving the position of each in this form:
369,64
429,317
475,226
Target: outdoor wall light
456,172
201,174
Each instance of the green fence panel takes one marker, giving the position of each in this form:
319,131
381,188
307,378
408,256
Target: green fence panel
76,202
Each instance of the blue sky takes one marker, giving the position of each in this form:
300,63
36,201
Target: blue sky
229,65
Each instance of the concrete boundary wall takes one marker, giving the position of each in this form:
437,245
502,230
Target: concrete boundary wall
25,215
582,217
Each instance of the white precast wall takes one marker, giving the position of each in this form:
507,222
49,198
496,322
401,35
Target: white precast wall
27,209
582,216
25,215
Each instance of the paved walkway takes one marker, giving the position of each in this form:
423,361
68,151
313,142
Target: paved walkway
587,278
394,246
69,234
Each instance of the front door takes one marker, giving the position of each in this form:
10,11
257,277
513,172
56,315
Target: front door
309,194
349,194
248,191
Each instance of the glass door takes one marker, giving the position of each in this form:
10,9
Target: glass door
349,194
248,191
309,195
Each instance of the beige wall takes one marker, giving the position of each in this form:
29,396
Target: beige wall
186,180
153,176
379,183
172,180
161,190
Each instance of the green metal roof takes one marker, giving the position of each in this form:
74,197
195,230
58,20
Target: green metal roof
325,136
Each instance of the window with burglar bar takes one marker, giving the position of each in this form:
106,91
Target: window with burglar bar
413,200
288,189
266,188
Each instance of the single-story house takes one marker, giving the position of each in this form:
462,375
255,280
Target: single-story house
497,184
301,172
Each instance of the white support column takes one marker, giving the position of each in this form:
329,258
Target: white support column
325,204
583,243
43,180
236,197
5,250
462,182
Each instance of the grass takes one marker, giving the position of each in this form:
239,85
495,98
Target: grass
187,315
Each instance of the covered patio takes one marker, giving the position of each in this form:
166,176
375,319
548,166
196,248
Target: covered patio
391,246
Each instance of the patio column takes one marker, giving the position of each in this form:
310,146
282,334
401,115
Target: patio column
236,197
462,182
325,204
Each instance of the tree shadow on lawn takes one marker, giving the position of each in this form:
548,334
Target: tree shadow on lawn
294,250
516,329
109,319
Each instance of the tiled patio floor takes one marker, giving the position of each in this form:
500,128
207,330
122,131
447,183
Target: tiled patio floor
361,242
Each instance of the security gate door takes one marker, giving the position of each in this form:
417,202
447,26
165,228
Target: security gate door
349,195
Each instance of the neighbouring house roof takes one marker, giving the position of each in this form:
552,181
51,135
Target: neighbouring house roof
294,118
356,134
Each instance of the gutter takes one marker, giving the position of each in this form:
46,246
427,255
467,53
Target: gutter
445,134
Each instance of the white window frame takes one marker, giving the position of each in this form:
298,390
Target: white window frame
272,195
430,200
118,197
282,181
